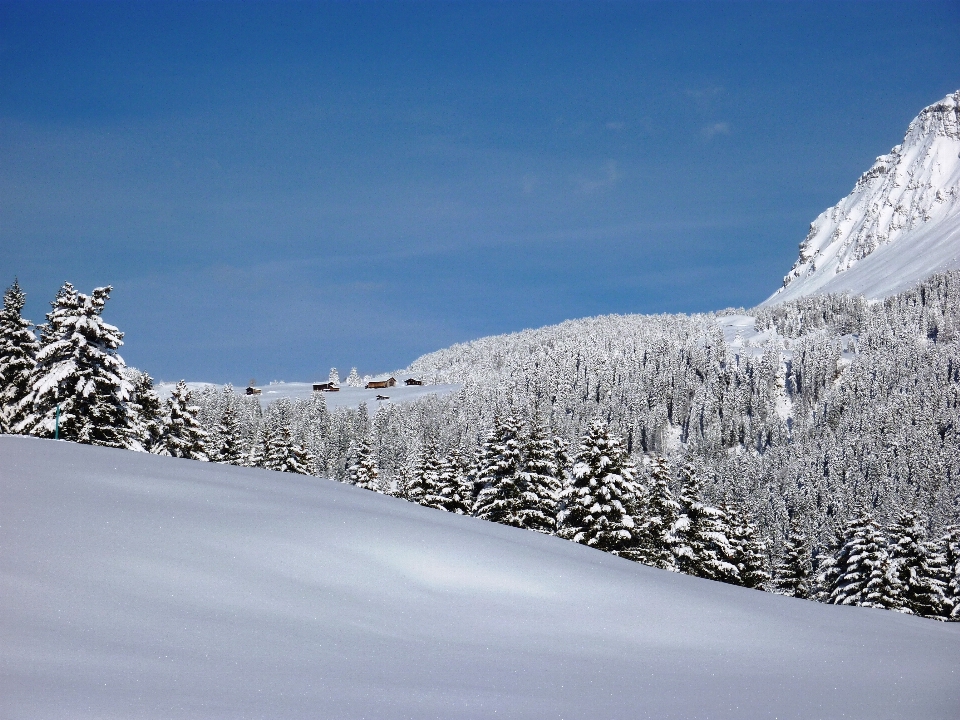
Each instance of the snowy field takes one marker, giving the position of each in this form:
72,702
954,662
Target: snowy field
345,397
136,586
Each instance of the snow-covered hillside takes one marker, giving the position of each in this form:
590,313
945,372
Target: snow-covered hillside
138,586
900,224
346,397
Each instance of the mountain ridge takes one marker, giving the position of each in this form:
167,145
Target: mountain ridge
899,224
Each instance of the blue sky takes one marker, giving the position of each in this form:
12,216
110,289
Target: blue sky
274,189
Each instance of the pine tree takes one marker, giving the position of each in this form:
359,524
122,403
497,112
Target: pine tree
282,454
453,490
227,440
256,457
353,379
363,471
913,561
79,370
883,589
794,571
146,411
181,435
423,485
18,349
657,539
855,573
598,505
950,571
750,552
334,377
498,473
703,546
540,483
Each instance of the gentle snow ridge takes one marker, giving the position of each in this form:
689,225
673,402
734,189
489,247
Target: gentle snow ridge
900,224
133,585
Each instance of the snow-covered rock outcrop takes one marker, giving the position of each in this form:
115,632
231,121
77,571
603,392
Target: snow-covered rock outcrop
900,224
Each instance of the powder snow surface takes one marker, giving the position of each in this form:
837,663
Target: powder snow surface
135,586
899,225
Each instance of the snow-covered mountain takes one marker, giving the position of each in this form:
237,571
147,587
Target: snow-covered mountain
900,224
137,586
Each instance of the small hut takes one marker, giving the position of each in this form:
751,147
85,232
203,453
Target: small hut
412,381
378,384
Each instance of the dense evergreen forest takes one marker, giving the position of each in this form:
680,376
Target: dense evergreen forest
815,453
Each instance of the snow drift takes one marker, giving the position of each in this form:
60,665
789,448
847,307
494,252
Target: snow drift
137,586
899,225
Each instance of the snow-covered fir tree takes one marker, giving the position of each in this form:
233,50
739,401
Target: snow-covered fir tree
915,563
599,507
283,454
703,547
794,572
540,480
334,377
658,543
950,571
363,471
855,574
226,440
78,370
145,410
750,551
256,455
18,349
423,483
498,474
181,435
353,379
454,492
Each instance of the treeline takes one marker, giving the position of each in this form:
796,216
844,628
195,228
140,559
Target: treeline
817,458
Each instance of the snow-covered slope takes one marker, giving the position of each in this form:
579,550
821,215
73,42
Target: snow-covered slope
346,397
900,224
134,586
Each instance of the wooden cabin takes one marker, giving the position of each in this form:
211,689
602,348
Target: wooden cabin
253,391
383,397
378,384
325,387
412,381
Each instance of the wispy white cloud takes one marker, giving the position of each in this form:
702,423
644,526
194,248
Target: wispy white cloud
705,94
609,176
711,131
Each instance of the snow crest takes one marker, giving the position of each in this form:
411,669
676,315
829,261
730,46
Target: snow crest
907,204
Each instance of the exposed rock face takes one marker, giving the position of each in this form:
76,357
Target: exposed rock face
908,199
